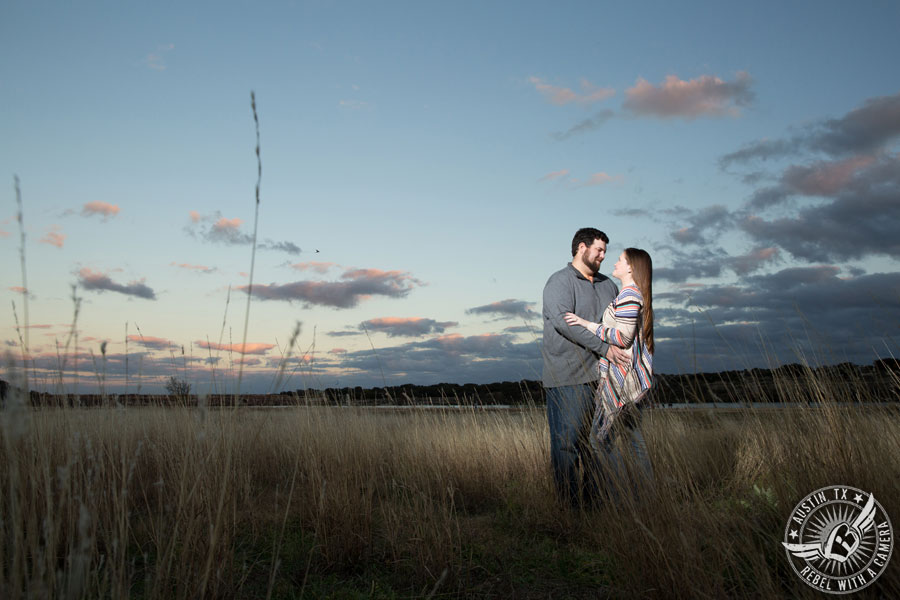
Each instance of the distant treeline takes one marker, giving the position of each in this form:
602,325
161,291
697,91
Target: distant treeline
878,382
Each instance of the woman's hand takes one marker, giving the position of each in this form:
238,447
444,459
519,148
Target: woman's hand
573,319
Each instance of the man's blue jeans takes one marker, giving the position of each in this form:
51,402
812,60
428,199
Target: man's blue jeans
576,472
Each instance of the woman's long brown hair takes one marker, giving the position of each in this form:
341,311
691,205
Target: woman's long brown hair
642,271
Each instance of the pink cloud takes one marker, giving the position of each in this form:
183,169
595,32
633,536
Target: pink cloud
4,234
338,351
600,179
561,96
318,267
224,224
253,348
17,289
100,208
199,268
154,343
825,178
195,216
554,175
54,238
704,96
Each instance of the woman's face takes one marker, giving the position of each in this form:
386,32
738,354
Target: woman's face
621,268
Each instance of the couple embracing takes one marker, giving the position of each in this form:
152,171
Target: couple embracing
598,350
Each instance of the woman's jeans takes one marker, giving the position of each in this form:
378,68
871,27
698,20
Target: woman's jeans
580,472
624,461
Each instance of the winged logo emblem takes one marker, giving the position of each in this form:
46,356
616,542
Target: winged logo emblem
842,541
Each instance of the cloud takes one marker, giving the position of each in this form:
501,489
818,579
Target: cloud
228,231
406,326
506,309
866,130
195,268
318,267
706,96
711,261
714,219
54,237
356,285
343,333
289,247
338,351
519,329
92,280
104,209
824,178
705,262
215,228
4,234
598,179
861,218
477,358
153,343
753,260
559,96
254,348
585,125
810,312
554,175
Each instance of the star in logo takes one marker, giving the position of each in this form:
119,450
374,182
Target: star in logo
793,533
858,499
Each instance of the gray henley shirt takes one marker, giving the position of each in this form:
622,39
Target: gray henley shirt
571,353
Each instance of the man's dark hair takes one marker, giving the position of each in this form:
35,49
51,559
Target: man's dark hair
587,235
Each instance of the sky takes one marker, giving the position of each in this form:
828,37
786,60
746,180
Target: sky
424,168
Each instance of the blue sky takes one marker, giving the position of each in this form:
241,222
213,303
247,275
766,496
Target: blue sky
425,166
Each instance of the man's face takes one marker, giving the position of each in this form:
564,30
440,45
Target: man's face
594,255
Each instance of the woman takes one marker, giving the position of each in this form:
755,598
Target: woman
628,324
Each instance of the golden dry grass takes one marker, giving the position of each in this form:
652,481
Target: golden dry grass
343,502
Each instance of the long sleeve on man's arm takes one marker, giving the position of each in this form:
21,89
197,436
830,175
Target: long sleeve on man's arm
559,299
571,353
556,308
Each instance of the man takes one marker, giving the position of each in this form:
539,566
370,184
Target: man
571,355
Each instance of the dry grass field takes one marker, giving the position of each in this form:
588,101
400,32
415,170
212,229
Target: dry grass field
362,503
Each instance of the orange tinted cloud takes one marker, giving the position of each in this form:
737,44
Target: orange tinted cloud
318,267
99,208
554,175
224,224
600,179
54,238
561,96
154,343
254,348
703,96
825,178
406,326
189,267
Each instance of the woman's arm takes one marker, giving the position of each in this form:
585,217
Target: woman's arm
627,308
